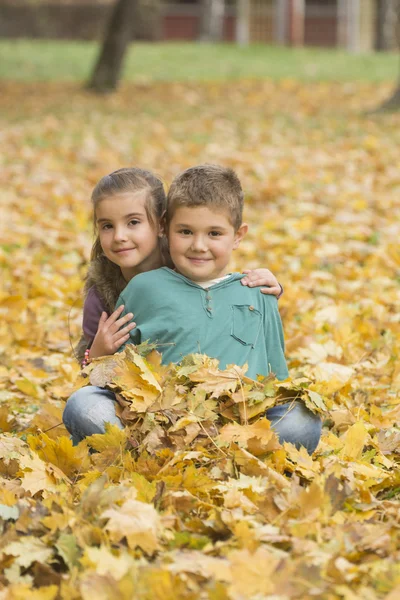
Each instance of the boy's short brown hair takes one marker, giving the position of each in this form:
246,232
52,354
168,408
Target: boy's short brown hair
213,186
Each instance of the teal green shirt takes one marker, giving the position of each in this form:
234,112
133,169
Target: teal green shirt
228,321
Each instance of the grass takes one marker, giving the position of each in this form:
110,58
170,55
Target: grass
38,60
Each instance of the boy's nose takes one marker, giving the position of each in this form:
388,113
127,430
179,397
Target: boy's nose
199,244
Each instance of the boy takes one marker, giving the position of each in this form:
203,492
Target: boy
200,307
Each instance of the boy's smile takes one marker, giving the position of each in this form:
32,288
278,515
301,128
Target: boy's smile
201,241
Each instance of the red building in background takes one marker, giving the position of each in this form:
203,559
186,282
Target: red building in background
347,23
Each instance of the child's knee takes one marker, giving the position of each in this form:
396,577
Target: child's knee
309,427
295,423
87,411
76,407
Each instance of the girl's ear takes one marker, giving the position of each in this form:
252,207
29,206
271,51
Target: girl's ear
239,235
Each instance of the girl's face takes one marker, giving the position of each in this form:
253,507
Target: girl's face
127,237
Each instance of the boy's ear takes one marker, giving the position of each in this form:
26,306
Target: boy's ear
239,235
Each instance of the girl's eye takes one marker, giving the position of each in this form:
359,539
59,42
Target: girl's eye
134,222
185,231
106,226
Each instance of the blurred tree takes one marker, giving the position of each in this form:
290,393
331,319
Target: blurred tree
385,24
393,102
107,71
212,20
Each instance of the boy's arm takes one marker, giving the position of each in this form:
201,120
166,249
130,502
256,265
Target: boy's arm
274,340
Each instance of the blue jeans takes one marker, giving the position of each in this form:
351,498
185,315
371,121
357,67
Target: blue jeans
88,409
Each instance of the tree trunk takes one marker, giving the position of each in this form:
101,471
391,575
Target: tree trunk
386,25
393,102
212,20
107,71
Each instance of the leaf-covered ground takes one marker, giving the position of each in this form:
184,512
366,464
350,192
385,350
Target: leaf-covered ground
239,518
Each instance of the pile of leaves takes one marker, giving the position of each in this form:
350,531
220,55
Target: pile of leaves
178,406
196,498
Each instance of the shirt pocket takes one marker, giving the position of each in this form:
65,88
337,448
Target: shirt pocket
246,324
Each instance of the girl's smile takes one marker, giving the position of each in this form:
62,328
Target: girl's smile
123,250
126,235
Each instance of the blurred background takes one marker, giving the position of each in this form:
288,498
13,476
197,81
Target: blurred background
257,35
357,25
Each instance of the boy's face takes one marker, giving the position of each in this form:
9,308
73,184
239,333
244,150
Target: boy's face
201,242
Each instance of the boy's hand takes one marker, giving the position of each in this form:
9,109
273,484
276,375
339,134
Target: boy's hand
261,277
111,333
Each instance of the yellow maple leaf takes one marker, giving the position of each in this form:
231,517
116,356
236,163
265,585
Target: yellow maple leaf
39,477
12,448
146,490
137,521
101,370
29,388
27,551
253,466
300,461
200,564
252,573
218,382
61,453
334,375
145,366
22,591
356,438
105,562
114,437
258,437
135,381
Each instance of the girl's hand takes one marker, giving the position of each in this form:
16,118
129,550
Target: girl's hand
258,277
111,333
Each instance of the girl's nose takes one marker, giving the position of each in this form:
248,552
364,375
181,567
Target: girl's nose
119,234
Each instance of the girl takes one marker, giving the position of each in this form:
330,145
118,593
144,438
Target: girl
128,206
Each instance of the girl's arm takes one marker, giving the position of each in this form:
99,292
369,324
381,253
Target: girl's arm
92,309
263,277
112,332
103,334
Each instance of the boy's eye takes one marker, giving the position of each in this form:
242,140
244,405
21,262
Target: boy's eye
215,233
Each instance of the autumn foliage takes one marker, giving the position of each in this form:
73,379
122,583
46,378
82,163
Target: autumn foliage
196,498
